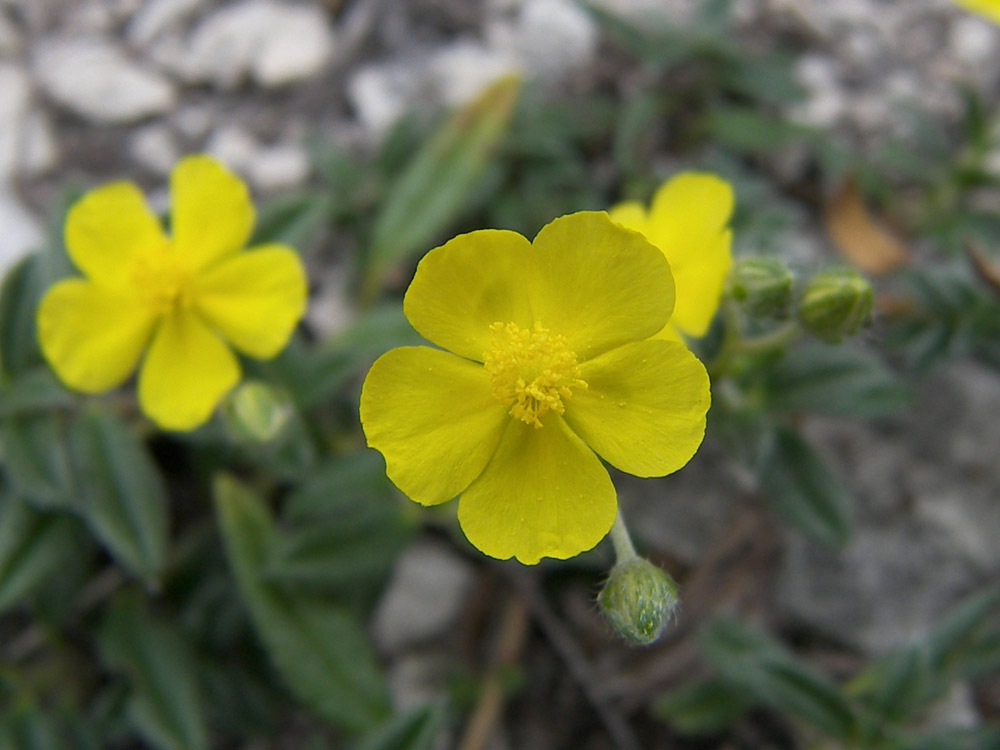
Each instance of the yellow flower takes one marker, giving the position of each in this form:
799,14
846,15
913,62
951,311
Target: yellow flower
687,221
549,361
988,8
182,299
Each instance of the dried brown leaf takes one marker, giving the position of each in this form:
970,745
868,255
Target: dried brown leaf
858,236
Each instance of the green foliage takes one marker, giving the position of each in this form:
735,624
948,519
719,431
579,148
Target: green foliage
317,645
880,708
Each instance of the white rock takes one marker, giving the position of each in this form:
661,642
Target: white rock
39,147
423,598
155,148
194,121
275,43
156,16
21,233
551,38
278,167
15,99
462,69
234,146
973,40
380,94
331,307
92,77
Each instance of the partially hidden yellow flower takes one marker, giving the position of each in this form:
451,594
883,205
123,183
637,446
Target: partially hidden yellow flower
183,299
988,8
687,220
548,365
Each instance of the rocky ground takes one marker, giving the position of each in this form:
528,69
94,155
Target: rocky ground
94,90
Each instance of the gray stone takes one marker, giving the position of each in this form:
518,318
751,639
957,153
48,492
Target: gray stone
155,148
424,597
886,588
278,167
381,93
464,68
93,77
156,17
275,43
550,38
21,233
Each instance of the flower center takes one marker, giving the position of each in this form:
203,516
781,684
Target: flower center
531,371
163,279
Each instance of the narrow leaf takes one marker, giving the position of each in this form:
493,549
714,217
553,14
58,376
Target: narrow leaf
706,707
36,455
165,704
20,291
753,662
34,390
319,649
804,491
835,380
436,185
414,730
124,499
33,546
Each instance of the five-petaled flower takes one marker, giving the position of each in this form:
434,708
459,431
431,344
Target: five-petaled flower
182,299
549,364
687,220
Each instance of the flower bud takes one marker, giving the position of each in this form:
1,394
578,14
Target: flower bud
256,412
638,599
836,303
762,286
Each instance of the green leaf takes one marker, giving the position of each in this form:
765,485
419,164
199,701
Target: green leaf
435,187
34,390
958,631
294,220
37,459
706,707
124,499
165,704
20,291
985,738
344,529
804,491
320,650
768,673
414,730
313,375
896,685
834,380
33,546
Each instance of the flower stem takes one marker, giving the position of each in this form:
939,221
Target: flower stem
624,550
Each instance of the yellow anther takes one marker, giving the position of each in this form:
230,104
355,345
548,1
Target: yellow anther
531,371
165,281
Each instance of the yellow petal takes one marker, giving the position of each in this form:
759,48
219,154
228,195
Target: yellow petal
466,285
211,213
433,417
187,370
644,407
598,283
988,8
92,336
254,299
687,221
544,494
631,214
107,228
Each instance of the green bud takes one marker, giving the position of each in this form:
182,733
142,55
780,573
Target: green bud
762,286
836,303
256,412
638,599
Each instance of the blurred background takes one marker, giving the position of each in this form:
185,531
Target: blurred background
837,591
